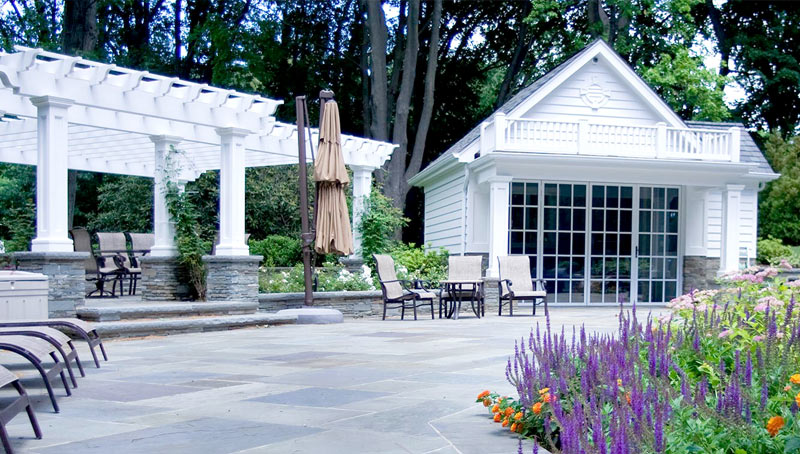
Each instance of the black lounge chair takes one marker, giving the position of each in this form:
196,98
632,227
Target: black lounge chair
11,410
37,351
83,329
399,292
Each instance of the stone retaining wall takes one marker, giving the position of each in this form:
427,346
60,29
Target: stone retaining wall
351,304
159,280
700,273
67,278
232,278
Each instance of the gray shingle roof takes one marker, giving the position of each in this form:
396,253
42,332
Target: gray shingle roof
750,152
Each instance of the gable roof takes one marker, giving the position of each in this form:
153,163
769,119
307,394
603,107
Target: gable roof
750,152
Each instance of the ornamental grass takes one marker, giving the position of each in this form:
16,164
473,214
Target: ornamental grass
720,374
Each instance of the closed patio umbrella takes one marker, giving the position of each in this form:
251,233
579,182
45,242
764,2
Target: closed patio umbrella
333,234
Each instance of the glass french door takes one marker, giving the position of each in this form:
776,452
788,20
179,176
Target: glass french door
598,243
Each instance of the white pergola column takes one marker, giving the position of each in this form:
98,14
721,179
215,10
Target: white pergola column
51,175
731,200
498,221
163,225
231,192
362,184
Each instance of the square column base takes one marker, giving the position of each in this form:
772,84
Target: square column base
232,277
67,278
159,280
700,273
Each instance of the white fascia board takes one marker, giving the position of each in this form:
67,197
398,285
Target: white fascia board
433,172
609,169
622,68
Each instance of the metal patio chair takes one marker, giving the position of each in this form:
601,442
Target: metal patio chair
141,244
516,283
97,269
464,283
400,293
19,403
113,248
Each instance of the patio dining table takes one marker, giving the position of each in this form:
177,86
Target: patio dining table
460,290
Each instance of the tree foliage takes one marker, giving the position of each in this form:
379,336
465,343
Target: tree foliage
779,202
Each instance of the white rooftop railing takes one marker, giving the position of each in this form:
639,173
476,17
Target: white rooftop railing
581,137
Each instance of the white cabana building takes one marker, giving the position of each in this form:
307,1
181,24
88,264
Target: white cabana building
61,112
612,195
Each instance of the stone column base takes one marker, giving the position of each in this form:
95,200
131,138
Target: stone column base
232,277
700,273
353,264
67,278
491,294
159,280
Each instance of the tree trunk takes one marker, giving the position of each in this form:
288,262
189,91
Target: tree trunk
177,36
395,180
366,105
378,36
722,37
598,19
520,52
428,100
79,37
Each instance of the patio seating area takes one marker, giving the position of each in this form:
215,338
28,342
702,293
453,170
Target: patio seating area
362,386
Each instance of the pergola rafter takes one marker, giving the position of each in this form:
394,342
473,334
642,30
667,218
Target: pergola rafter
61,112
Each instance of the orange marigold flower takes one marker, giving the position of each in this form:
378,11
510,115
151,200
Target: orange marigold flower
537,408
509,411
514,427
495,408
505,422
487,402
546,397
795,379
497,417
483,394
628,397
518,416
544,391
520,427
774,425
797,399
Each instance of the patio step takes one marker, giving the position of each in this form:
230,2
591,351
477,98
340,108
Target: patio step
179,325
164,310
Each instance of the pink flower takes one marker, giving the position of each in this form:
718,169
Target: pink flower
785,265
767,301
794,283
758,338
725,334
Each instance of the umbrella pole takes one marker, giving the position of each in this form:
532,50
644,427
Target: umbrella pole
306,237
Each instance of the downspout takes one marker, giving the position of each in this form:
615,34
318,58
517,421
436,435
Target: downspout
464,211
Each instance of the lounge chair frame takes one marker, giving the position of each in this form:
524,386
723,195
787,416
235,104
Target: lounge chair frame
21,402
47,375
83,329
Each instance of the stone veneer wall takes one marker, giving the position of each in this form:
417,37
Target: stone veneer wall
159,280
351,304
67,278
232,278
700,273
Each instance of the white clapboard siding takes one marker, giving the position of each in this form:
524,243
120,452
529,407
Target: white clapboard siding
623,105
444,202
748,224
714,223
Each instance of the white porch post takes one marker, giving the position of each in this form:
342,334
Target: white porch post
231,192
163,226
51,175
731,199
498,221
362,183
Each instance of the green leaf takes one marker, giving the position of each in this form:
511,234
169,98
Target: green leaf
792,445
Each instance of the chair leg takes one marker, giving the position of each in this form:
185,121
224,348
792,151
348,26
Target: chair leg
384,310
403,310
415,308
500,307
4,438
534,306
511,306
102,348
77,359
432,317
29,409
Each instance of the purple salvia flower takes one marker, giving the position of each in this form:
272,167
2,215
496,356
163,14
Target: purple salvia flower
748,371
764,394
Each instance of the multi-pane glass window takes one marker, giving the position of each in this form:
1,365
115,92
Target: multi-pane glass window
658,244
564,241
524,221
611,239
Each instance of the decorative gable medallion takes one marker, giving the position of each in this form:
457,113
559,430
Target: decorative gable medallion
594,95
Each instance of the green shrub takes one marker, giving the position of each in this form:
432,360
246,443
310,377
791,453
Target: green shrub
417,262
772,250
278,250
378,224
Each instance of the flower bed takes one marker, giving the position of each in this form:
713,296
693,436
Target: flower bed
721,374
329,278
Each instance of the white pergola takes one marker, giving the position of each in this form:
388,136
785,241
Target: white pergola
61,112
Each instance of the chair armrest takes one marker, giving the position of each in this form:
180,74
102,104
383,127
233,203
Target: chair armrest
540,281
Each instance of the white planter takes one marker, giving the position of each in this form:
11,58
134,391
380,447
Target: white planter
23,295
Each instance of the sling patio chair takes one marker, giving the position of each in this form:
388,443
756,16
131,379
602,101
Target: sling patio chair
464,283
61,342
516,284
141,243
96,269
81,328
37,352
113,248
400,293
20,402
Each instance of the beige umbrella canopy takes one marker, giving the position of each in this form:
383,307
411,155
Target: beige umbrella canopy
332,217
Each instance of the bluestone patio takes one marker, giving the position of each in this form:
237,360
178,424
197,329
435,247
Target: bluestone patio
362,386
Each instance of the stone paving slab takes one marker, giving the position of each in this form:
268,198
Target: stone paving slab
362,386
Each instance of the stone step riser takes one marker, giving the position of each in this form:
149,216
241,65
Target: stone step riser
178,310
163,327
